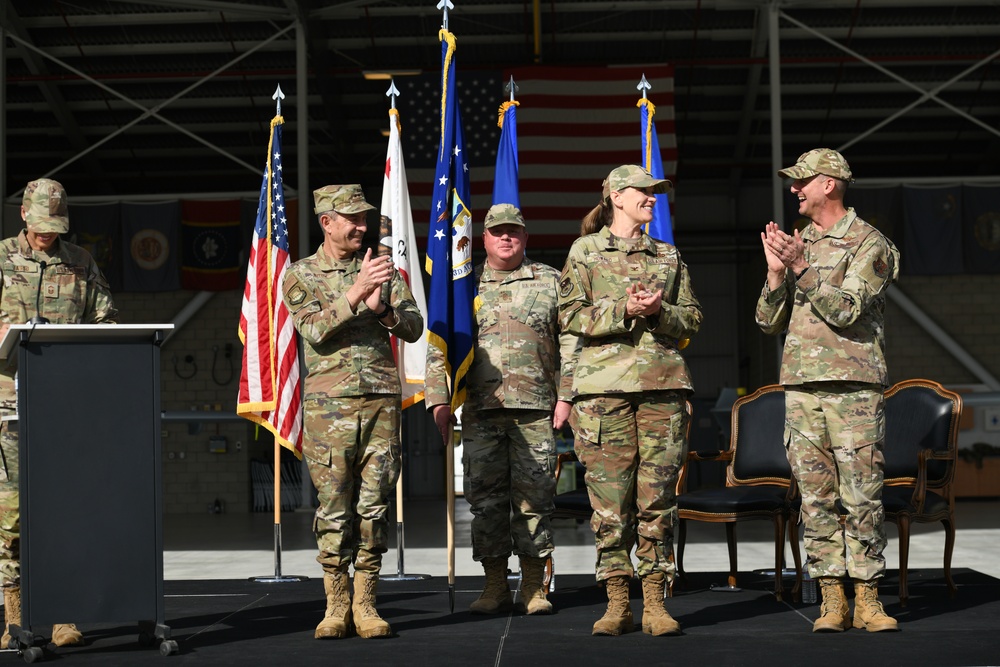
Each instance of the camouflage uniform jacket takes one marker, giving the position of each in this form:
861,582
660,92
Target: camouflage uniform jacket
347,353
834,313
73,291
624,355
519,360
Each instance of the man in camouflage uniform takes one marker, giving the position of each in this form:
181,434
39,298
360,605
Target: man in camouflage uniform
515,398
826,287
352,401
630,297
63,279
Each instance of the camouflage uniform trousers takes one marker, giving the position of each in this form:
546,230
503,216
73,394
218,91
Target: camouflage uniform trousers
834,433
509,458
10,507
351,445
632,446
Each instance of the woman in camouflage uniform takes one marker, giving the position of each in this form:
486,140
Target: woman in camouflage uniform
629,296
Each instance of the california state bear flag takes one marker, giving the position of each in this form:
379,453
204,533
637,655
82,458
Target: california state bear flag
397,237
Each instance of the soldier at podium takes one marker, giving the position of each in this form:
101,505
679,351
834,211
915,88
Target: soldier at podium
47,278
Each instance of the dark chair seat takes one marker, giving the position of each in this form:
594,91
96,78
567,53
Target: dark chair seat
899,500
733,500
573,504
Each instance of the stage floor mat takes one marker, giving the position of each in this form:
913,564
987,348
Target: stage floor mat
236,622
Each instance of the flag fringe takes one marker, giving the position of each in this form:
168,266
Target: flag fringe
445,36
503,111
261,421
651,111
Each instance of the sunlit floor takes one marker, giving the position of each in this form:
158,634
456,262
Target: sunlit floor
237,546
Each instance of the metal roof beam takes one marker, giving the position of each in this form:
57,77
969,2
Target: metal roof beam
234,8
925,94
50,91
752,89
351,9
344,43
150,112
121,20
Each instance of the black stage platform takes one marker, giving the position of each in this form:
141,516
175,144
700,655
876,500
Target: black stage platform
232,622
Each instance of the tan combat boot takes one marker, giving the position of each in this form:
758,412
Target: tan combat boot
495,597
11,612
533,586
337,622
833,611
367,622
66,634
868,611
656,620
618,618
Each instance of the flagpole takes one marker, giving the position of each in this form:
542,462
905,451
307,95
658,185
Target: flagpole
395,222
401,574
449,473
449,454
278,577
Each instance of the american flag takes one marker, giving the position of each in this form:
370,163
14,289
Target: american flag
269,392
574,126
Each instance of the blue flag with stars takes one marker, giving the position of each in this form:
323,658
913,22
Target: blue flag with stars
661,228
449,241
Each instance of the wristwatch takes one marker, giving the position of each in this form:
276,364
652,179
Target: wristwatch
389,310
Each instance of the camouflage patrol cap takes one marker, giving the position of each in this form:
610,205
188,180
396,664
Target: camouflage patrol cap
45,210
633,176
824,161
503,214
345,199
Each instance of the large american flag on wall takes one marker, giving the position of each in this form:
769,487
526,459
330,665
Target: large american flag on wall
574,126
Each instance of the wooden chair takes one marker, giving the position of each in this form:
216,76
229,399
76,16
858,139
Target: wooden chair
921,452
758,484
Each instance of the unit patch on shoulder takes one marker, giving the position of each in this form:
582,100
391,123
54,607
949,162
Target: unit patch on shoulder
296,295
565,286
880,268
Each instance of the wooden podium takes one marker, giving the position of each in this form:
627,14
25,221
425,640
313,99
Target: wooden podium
88,416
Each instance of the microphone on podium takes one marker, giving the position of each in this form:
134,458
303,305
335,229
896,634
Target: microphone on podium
38,319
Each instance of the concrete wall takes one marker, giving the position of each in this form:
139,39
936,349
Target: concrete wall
967,307
193,477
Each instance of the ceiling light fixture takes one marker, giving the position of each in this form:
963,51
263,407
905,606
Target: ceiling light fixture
385,75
